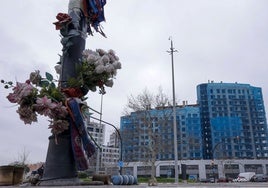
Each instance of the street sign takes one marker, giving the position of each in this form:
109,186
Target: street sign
120,164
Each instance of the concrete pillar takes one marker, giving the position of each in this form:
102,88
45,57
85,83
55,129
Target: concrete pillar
264,169
221,170
202,170
241,167
157,171
135,171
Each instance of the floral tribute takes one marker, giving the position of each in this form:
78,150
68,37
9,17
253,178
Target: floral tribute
42,96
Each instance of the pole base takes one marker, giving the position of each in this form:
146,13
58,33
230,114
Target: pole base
61,182
60,165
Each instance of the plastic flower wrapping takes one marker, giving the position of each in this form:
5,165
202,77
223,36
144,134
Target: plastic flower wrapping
43,96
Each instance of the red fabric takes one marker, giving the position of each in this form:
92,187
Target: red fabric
85,7
73,92
78,151
63,19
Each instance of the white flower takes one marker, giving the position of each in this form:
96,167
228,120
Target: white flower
101,52
112,52
105,59
58,69
116,58
98,62
109,68
114,73
117,65
91,58
100,69
112,56
87,52
109,83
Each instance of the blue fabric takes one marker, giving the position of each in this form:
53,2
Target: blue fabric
79,136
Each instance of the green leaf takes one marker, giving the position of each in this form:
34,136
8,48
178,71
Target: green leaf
53,85
49,76
44,83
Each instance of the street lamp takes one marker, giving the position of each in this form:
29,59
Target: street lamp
174,113
121,143
98,150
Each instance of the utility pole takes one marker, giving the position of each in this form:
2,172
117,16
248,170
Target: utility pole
100,127
174,113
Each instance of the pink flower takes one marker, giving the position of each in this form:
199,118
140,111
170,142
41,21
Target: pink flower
44,106
19,91
13,98
59,111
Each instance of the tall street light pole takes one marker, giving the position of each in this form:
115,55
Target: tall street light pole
174,114
98,151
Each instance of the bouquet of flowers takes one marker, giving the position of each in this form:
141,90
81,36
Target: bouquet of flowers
98,69
42,96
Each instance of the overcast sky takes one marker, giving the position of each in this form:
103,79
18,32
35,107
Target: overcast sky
220,40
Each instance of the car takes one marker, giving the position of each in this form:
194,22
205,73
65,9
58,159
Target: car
259,178
224,180
207,180
204,180
244,176
211,180
240,179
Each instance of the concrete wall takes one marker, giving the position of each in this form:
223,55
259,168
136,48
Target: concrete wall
202,168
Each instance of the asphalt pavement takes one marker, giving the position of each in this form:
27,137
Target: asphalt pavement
164,185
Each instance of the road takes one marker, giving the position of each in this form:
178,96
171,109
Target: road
166,185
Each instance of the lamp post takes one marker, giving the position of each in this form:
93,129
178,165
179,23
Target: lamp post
121,143
174,113
98,150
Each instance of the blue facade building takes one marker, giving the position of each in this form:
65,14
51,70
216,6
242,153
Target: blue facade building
228,122
233,121
150,133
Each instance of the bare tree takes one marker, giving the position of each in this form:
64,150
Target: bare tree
22,160
152,111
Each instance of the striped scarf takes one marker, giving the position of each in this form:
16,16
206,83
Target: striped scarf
82,146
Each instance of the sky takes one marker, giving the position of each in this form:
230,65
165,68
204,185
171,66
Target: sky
223,40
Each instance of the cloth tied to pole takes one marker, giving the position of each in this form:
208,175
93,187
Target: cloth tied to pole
82,146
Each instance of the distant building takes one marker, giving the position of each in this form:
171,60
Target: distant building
233,120
223,134
109,156
96,131
114,140
153,130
